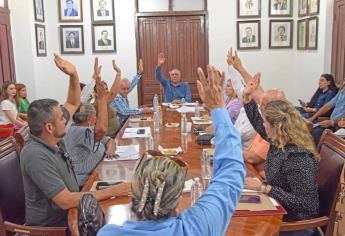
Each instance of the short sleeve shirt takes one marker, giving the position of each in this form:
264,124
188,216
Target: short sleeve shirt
7,105
47,170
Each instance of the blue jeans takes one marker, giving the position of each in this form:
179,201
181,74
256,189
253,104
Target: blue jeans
307,232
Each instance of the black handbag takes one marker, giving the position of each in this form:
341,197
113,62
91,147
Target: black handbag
204,139
91,217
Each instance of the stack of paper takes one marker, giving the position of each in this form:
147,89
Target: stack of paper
126,153
135,132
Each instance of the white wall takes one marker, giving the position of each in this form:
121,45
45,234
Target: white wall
294,71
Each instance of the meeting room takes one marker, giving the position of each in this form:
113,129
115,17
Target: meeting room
172,117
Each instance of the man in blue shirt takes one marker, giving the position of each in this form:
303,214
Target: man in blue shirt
338,103
174,89
157,184
121,103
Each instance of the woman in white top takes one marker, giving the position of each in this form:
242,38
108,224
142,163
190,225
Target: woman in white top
8,107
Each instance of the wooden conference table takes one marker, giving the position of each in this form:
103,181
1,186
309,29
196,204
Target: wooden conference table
118,210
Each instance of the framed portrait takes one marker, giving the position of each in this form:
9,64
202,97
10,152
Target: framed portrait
281,33
71,39
70,10
248,34
102,11
41,41
248,8
312,33
280,8
302,34
314,7
302,7
39,10
103,38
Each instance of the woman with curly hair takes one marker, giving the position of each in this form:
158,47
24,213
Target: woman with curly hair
291,164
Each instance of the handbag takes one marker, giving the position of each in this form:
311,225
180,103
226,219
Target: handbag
339,224
90,216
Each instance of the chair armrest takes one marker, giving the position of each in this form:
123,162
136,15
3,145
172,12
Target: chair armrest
304,224
35,230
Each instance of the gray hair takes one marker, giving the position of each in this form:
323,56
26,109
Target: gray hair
41,112
85,111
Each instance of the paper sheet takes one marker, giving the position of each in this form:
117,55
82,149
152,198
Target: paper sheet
126,153
132,132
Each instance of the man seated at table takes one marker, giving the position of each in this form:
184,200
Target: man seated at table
158,183
338,105
174,89
121,103
50,184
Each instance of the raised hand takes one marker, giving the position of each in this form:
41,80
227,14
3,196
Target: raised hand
140,67
116,67
96,70
252,85
64,65
235,60
100,86
211,89
161,58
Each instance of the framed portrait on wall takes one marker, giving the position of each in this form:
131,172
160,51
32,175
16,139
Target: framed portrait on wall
71,39
281,34
248,34
70,10
103,38
39,10
302,7
280,8
248,8
102,11
302,34
41,41
314,7
312,33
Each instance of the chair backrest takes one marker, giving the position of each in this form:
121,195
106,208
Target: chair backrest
12,198
332,152
21,136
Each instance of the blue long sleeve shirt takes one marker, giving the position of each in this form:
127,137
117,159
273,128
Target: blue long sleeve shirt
172,92
211,214
121,103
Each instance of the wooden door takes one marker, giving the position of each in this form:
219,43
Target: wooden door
183,40
338,42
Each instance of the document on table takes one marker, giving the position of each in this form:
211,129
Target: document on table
135,132
185,109
126,153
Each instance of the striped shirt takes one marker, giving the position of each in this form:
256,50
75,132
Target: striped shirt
121,103
84,151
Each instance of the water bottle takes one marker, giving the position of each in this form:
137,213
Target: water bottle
184,142
156,123
196,190
183,101
160,114
206,168
155,102
197,110
184,123
149,143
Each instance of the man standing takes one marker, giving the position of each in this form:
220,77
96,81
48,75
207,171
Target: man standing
104,41
72,41
102,11
174,89
70,10
50,184
121,103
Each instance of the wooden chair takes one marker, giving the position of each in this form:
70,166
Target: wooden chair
21,136
332,152
12,204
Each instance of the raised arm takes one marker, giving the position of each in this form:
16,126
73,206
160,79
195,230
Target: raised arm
101,127
211,214
116,84
137,77
159,76
73,97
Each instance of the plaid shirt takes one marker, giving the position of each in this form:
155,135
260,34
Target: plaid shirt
121,103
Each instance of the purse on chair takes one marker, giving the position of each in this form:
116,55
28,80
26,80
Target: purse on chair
91,217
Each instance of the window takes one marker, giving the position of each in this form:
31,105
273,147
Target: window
190,5
171,5
153,5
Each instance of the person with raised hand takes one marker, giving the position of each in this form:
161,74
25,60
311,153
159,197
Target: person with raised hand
157,184
174,89
121,102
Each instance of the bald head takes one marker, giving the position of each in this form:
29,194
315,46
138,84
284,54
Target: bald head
124,87
272,95
175,76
